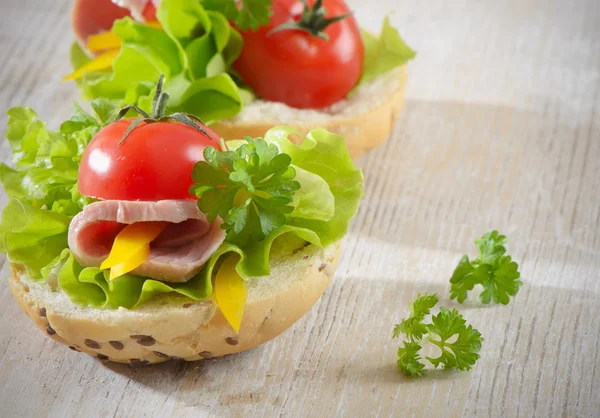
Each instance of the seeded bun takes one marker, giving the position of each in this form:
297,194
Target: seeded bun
365,119
174,327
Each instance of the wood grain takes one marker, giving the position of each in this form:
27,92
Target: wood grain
500,130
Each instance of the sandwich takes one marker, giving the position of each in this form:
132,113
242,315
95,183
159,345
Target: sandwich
139,237
245,67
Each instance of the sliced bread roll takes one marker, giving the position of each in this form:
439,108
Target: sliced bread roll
365,119
174,327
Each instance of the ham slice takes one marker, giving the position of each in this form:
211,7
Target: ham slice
176,255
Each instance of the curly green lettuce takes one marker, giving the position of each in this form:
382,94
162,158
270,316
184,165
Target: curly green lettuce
90,286
32,236
42,186
46,162
384,53
247,14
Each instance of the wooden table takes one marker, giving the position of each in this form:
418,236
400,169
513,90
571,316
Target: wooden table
500,130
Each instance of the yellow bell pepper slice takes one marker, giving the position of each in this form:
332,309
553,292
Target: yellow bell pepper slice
108,40
231,293
132,247
130,264
102,62
154,24
103,41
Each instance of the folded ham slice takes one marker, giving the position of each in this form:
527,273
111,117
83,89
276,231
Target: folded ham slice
176,255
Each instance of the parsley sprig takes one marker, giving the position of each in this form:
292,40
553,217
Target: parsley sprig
460,354
496,272
250,188
413,326
246,14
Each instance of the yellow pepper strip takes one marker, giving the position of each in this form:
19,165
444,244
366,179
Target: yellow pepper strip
231,293
154,24
102,62
103,41
108,40
132,247
130,264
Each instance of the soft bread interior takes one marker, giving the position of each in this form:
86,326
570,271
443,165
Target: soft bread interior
365,97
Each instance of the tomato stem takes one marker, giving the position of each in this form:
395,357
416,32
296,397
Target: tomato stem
159,106
159,102
314,21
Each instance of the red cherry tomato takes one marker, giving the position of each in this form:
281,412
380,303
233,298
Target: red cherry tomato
297,68
154,162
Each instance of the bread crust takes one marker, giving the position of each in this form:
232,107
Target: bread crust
180,330
362,132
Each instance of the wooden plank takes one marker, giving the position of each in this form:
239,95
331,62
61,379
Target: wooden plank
500,130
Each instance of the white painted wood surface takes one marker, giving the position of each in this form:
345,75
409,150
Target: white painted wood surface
500,130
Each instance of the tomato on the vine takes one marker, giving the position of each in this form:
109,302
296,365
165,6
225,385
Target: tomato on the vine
150,161
308,56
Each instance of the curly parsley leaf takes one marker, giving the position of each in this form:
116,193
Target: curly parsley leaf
491,247
413,326
505,282
246,14
458,342
461,354
408,359
250,188
492,269
465,277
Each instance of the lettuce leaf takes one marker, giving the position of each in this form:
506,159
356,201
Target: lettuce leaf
314,199
384,53
32,236
91,287
150,49
247,14
324,154
43,185
213,98
146,52
47,162
255,257
194,51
